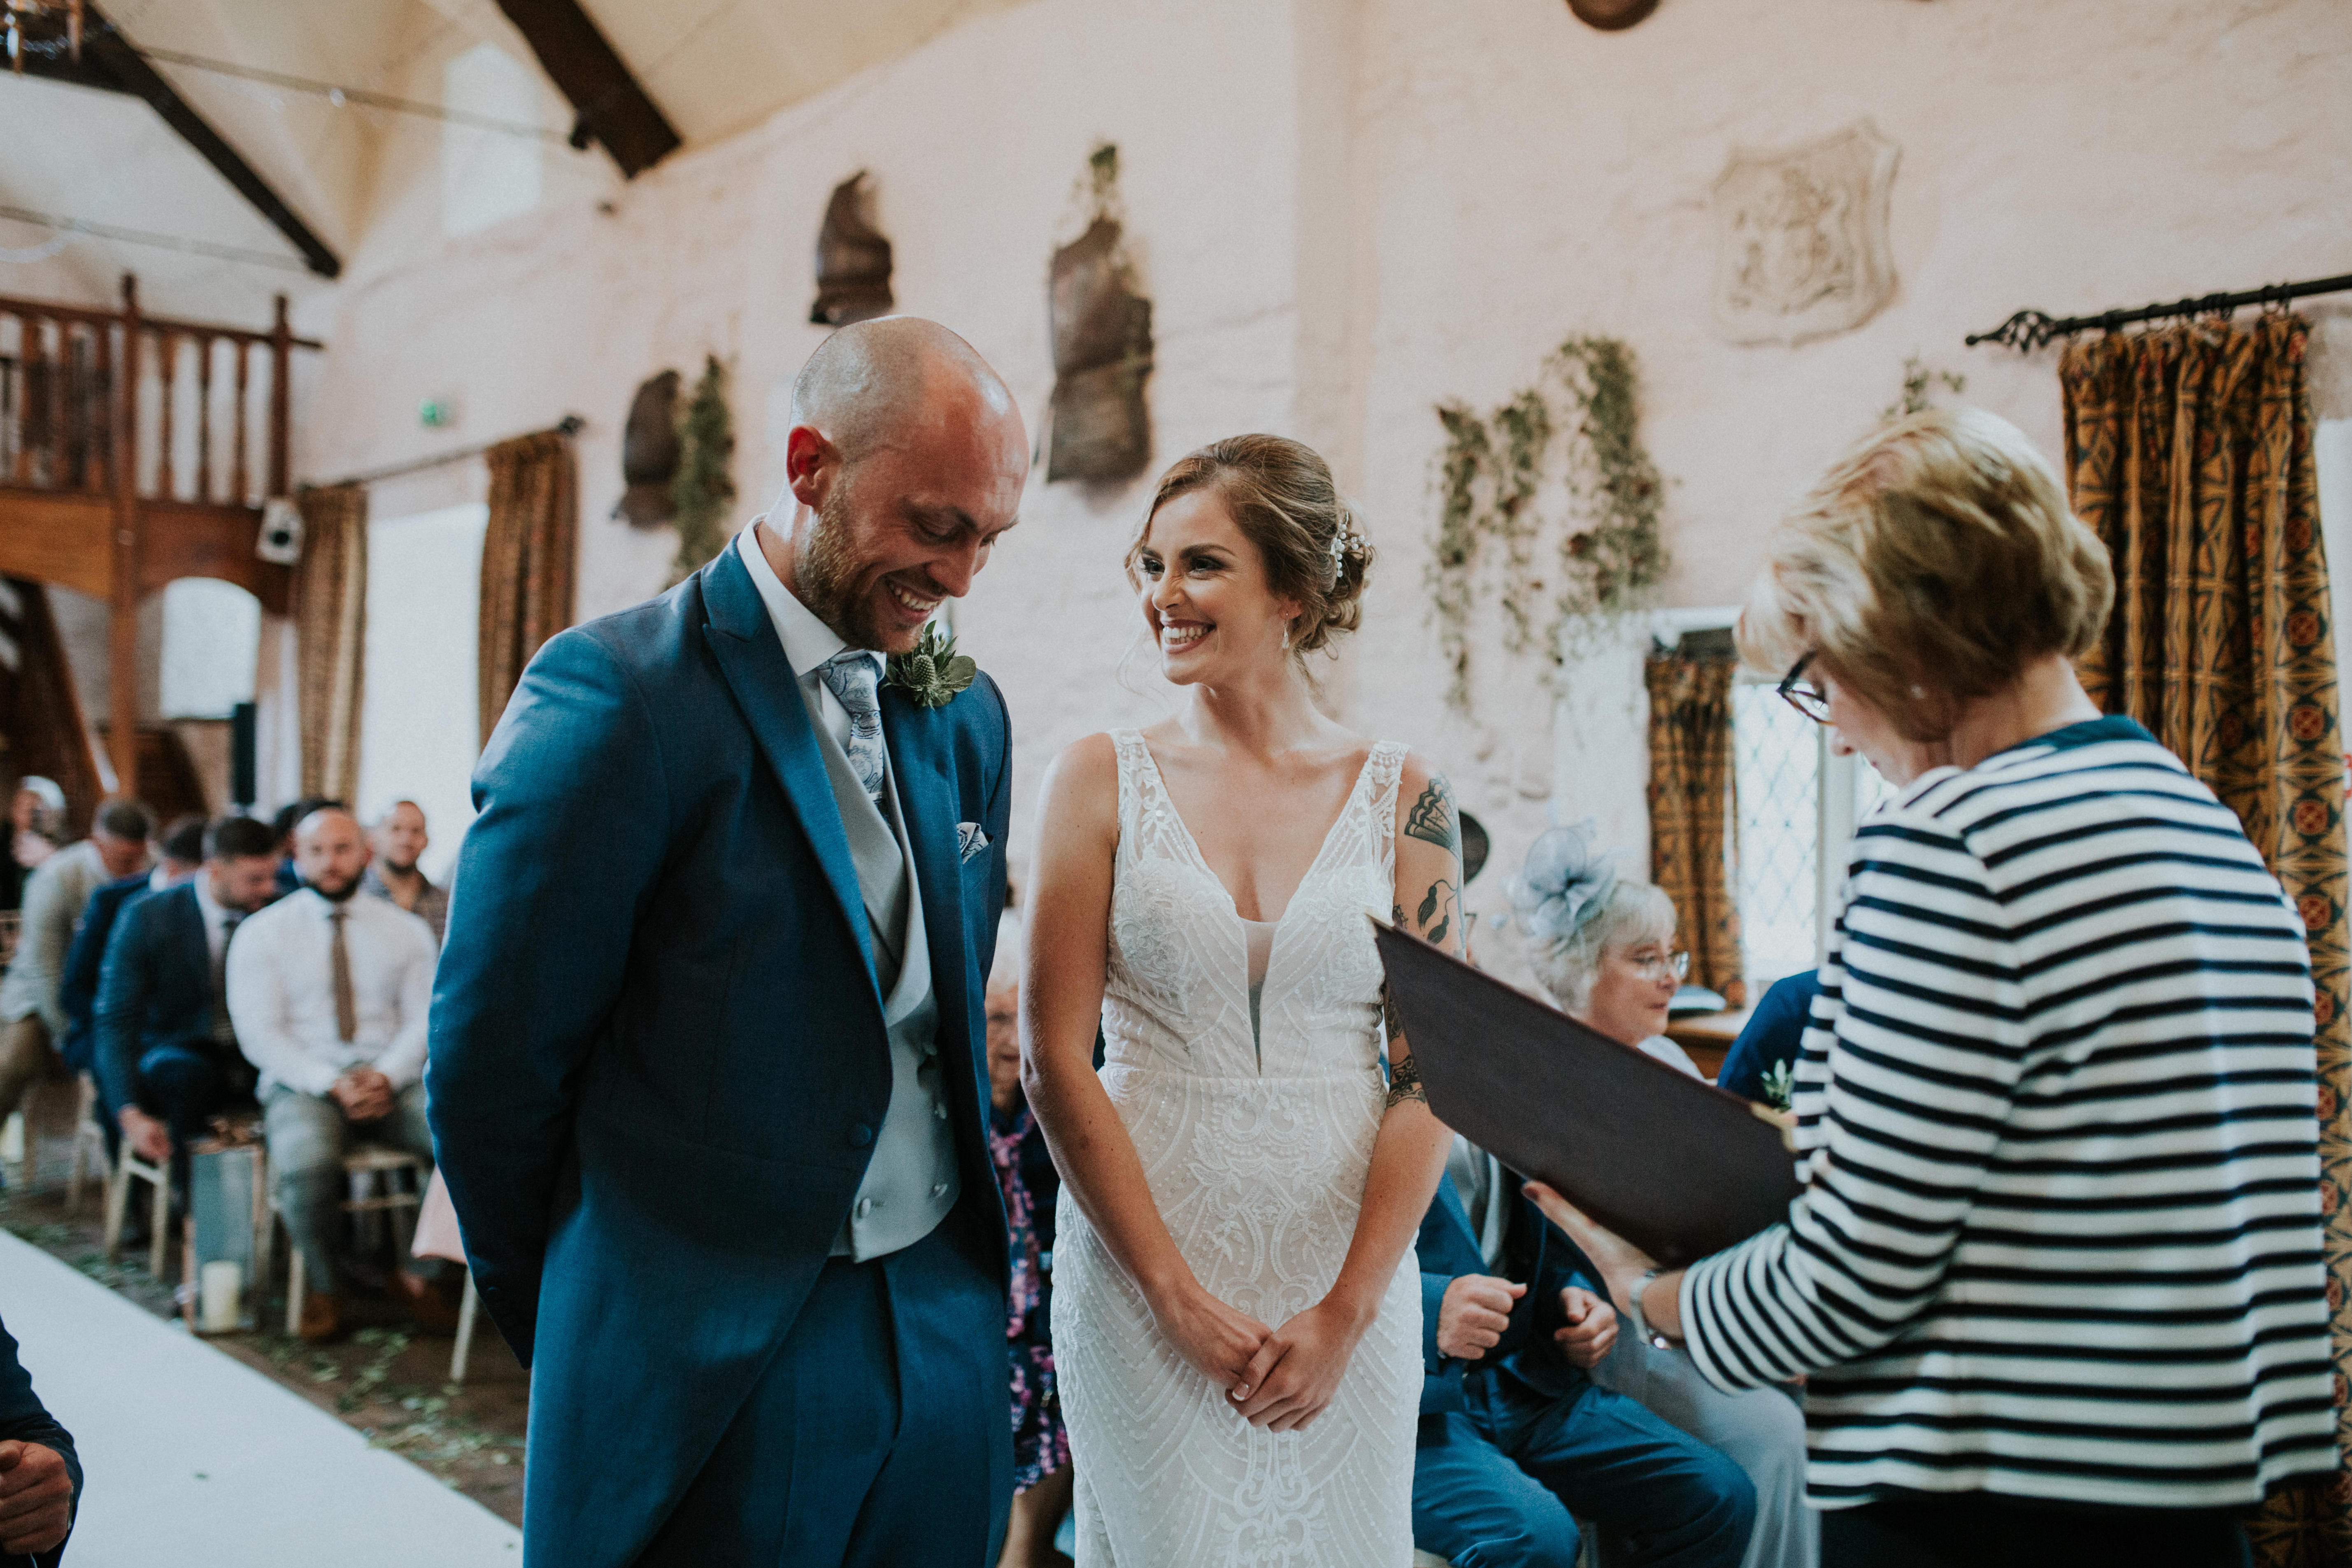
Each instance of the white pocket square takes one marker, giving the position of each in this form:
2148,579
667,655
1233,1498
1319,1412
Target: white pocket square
970,839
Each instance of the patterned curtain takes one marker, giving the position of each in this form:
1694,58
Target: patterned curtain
528,557
2188,450
1693,805
329,615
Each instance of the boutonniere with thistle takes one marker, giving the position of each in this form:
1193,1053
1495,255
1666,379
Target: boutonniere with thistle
934,673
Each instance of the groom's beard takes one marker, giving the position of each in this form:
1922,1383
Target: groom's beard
826,576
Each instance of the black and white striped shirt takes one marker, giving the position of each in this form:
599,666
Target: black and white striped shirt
2060,1234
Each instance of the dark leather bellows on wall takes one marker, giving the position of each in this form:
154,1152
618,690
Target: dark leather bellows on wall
649,452
1610,15
1102,351
853,261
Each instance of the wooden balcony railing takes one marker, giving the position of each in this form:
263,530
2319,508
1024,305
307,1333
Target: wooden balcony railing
207,421
138,449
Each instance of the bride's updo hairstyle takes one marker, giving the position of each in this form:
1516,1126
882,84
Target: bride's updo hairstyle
1281,496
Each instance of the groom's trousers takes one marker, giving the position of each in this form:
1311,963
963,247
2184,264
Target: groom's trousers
880,1436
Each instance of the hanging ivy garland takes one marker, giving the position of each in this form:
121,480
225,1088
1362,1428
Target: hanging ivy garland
1489,474
701,492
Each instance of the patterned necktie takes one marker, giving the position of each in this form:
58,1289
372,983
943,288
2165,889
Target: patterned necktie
224,1031
347,1010
852,679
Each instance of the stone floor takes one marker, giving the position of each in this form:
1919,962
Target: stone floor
386,1380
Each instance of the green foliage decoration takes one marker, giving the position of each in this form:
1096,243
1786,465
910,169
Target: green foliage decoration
702,494
1490,474
1919,384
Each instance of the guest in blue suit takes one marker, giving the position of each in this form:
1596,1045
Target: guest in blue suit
1517,1442
165,1054
708,1070
180,855
40,1476
1772,1038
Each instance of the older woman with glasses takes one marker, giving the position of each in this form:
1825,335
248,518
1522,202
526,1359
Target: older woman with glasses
2055,1269
1603,947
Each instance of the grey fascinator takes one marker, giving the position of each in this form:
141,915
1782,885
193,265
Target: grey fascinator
1564,883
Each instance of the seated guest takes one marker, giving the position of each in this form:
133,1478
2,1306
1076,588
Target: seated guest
1514,1438
329,992
1762,1062
37,826
288,817
161,1044
30,1004
2057,1276
1604,949
179,855
40,1476
399,838
1042,1478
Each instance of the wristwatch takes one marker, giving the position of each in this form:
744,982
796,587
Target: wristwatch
1641,1330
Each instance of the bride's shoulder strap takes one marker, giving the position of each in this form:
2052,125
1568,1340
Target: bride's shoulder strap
1383,770
1133,757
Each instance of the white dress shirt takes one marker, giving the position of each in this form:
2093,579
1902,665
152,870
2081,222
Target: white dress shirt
281,990
808,642
216,916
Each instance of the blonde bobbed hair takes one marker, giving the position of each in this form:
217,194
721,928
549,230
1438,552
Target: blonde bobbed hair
1929,566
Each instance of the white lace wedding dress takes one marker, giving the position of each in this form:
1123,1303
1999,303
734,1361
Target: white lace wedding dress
1255,1142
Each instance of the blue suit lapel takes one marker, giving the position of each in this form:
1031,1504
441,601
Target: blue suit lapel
751,656
920,747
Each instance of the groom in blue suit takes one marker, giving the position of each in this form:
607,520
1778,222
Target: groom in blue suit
707,1071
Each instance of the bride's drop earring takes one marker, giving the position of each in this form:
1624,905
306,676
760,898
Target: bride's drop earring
1285,636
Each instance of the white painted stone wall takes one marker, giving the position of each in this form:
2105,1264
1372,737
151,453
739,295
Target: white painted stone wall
1345,212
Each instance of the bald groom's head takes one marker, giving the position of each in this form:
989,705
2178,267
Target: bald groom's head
905,461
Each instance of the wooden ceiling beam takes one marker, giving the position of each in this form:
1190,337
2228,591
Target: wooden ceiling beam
612,107
112,64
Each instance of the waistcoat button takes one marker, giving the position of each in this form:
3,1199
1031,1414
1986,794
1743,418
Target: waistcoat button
860,1136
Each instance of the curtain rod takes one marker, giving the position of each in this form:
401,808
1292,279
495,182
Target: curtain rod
570,425
2030,330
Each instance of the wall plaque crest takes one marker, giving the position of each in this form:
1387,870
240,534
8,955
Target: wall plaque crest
1800,237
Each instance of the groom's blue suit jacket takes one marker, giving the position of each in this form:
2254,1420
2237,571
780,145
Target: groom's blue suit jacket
658,1058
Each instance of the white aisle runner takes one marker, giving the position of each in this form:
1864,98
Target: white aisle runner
193,1459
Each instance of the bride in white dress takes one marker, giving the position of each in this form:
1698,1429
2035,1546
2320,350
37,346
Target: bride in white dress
1238,1331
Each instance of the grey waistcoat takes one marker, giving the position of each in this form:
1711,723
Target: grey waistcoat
911,1182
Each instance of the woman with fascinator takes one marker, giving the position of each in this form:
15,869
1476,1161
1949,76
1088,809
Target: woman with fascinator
1236,1317
1603,946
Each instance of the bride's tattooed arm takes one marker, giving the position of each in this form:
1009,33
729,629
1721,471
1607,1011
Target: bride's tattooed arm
1429,881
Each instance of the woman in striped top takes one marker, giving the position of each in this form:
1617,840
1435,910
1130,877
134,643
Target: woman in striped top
2055,1273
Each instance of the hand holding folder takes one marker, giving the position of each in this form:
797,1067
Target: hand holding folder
1676,1166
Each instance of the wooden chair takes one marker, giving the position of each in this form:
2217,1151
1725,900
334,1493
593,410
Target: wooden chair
437,1236
58,1111
89,1144
131,1168
370,1170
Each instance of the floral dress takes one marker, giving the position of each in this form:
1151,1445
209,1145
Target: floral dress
1025,1172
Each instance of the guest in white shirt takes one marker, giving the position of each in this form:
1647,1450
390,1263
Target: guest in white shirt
34,1015
329,994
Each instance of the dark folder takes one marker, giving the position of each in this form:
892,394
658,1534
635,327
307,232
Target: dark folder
1677,1167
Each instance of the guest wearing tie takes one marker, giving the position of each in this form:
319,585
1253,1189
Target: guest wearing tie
166,1060
329,994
